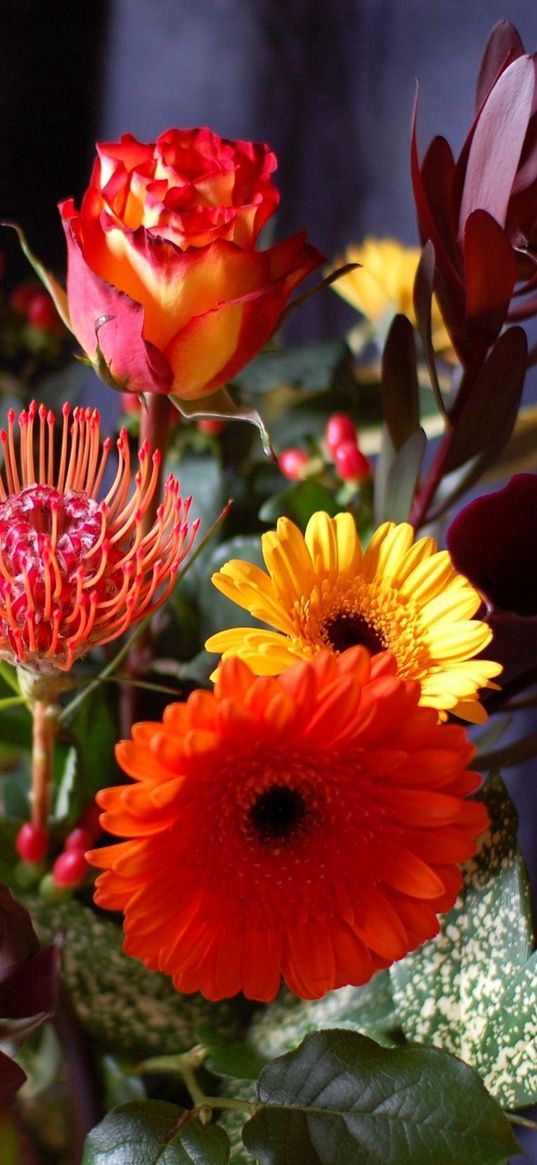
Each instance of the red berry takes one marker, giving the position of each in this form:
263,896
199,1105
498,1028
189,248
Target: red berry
35,304
80,838
32,842
21,297
292,463
130,402
340,427
212,426
42,313
350,462
70,868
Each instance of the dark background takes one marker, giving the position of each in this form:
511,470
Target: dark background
329,84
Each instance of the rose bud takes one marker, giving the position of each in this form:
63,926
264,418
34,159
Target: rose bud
166,290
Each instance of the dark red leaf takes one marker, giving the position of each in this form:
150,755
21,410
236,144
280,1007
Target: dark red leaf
490,276
527,171
486,417
423,296
432,197
438,170
11,1078
18,940
503,46
399,382
497,143
32,987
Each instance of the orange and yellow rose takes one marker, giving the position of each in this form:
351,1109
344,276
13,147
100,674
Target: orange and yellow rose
163,272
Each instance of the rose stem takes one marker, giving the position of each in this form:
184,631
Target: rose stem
155,426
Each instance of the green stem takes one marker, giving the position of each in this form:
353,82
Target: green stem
234,1103
521,1120
75,703
184,1065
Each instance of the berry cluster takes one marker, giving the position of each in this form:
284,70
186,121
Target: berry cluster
70,868
343,451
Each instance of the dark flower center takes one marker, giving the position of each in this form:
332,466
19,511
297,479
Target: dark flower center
278,814
347,629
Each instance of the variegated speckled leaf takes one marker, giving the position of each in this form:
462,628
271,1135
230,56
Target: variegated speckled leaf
122,1005
473,989
368,1009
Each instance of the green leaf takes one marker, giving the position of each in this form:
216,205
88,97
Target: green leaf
341,1097
154,1133
222,406
92,735
218,611
299,503
368,1009
472,989
396,477
15,728
310,366
57,293
66,789
201,479
234,1058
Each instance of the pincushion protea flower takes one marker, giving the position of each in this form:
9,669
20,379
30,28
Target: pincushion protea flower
75,571
305,826
323,591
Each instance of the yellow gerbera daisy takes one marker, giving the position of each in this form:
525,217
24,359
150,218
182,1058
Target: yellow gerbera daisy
383,283
322,590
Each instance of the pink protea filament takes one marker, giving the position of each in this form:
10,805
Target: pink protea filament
76,571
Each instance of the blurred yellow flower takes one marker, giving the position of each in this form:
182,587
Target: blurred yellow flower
383,283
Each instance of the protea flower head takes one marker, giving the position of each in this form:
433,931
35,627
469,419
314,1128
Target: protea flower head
77,568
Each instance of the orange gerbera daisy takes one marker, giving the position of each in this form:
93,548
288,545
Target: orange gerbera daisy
323,591
304,826
76,571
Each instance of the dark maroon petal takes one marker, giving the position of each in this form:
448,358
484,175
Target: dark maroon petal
493,541
514,645
497,143
503,46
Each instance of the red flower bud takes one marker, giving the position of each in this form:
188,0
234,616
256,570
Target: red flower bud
163,252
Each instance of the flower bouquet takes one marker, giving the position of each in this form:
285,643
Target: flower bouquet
263,663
